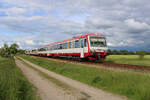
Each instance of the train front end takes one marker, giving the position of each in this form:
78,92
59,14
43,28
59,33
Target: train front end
98,47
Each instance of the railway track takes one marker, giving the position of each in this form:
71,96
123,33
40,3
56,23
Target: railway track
108,64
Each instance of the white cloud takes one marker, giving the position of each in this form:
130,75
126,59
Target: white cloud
14,11
29,42
111,44
135,25
124,23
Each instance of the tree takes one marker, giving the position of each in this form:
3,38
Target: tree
7,51
4,51
109,51
115,52
148,52
13,49
124,52
131,53
21,51
141,54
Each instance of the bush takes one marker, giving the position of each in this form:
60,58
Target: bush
7,51
96,79
4,51
141,54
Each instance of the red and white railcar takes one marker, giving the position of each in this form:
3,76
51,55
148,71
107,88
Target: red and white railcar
88,46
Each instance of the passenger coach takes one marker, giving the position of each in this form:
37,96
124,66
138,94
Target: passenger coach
88,46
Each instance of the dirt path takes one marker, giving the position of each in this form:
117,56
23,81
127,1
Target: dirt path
89,92
45,89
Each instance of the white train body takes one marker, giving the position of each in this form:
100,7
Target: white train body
88,46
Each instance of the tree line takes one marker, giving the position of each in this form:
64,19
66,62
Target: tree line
8,51
126,52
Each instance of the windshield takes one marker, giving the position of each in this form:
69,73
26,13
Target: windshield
98,41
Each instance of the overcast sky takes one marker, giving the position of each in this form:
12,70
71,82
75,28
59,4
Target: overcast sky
32,23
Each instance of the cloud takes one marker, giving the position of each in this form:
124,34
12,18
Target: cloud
14,11
137,26
125,23
30,42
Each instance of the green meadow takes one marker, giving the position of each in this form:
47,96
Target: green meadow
129,59
133,85
13,85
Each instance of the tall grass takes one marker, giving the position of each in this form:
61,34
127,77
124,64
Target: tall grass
133,85
129,59
13,85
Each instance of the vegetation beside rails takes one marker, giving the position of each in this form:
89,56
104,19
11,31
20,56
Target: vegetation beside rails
13,85
129,59
133,85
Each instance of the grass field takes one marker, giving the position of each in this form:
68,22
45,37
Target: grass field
13,85
129,59
133,85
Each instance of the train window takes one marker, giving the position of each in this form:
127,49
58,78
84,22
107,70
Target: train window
49,48
42,49
52,47
65,46
69,44
60,47
72,44
82,43
98,41
77,44
55,47
45,49
85,43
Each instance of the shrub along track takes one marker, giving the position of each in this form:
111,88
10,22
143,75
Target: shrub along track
106,64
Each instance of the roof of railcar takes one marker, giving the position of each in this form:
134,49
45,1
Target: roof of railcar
73,38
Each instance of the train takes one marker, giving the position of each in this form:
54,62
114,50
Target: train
83,47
